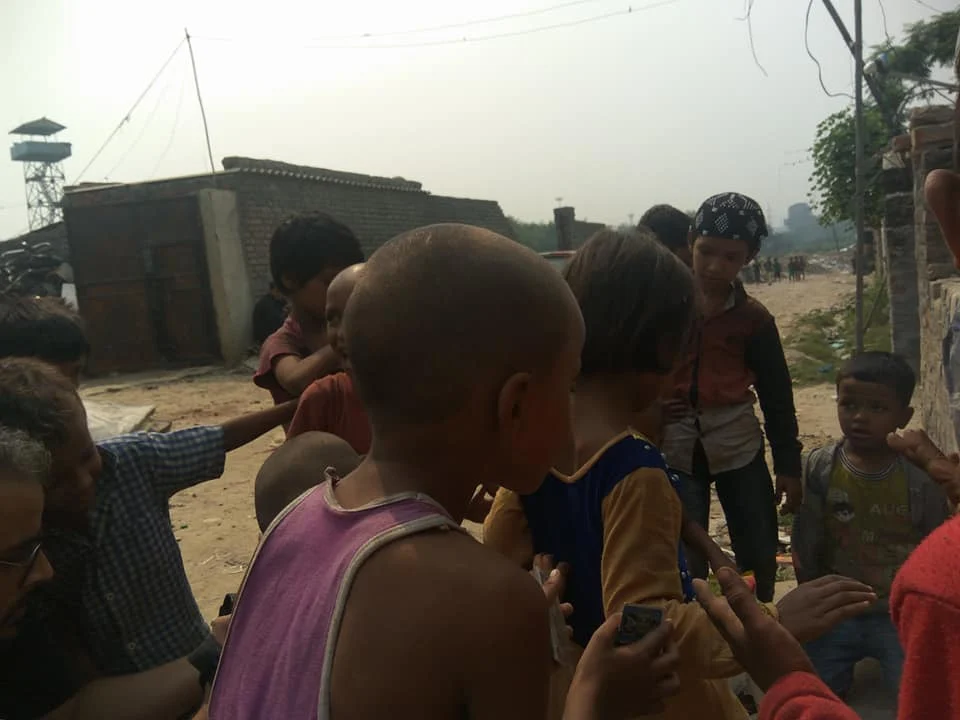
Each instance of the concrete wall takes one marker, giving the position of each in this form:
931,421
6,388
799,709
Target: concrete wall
227,267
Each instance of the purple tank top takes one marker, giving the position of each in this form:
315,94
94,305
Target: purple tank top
278,657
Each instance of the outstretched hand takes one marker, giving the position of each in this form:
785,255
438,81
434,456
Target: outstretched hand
627,681
815,607
917,447
765,649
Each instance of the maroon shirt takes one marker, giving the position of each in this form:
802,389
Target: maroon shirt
288,340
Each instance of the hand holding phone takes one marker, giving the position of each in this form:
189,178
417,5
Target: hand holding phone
636,622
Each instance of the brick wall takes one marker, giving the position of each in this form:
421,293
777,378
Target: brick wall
376,208
938,287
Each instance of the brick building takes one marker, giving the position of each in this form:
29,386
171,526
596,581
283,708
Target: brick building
177,262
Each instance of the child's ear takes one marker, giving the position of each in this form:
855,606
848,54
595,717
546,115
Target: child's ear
510,401
906,417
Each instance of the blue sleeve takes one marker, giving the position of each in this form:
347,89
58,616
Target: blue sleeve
174,461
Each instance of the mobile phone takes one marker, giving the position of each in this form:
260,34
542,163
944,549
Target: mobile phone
558,625
636,622
226,607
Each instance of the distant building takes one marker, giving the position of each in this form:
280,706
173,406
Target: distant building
167,271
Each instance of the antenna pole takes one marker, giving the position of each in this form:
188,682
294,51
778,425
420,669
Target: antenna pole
203,114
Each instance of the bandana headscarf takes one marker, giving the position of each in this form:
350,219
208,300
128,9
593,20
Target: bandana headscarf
732,216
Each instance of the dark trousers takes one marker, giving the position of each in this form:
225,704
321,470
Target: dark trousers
749,505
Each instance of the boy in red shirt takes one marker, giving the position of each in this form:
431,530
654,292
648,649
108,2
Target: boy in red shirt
331,404
734,359
306,253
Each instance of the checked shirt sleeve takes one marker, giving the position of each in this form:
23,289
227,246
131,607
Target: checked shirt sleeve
177,460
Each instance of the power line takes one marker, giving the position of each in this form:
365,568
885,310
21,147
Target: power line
806,44
883,17
143,130
479,38
176,124
753,49
928,6
126,118
468,23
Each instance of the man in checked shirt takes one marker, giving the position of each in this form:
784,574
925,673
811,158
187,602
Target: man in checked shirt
119,572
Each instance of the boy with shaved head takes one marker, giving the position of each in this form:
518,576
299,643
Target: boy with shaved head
365,597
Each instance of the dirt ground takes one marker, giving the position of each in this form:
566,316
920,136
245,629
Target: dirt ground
215,522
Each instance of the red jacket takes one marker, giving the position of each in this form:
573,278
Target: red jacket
925,605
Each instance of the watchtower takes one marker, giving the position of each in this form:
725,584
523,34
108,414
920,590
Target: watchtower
42,157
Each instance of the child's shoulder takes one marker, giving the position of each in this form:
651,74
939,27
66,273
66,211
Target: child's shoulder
749,307
633,455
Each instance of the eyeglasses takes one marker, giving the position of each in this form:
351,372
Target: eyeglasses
28,555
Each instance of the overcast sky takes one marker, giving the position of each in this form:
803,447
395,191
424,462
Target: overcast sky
664,104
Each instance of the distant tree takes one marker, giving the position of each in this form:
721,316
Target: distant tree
539,236
926,45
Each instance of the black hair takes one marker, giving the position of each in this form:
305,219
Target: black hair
293,469
306,245
882,368
637,300
44,328
37,399
669,224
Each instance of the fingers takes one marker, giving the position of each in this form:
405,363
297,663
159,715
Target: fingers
667,661
719,611
738,594
839,583
606,634
555,584
845,612
654,641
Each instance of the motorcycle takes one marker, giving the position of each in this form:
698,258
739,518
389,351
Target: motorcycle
34,270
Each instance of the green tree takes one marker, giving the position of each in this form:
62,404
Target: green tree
926,45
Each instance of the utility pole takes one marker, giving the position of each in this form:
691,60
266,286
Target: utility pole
858,149
203,114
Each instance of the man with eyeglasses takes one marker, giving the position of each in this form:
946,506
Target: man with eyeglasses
45,678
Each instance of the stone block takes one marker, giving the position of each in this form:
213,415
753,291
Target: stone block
932,136
931,115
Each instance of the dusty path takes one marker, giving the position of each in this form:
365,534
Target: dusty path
215,522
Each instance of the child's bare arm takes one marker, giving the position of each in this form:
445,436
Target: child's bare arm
699,539
294,374
247,428
439,627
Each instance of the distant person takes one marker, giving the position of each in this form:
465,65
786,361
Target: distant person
269,314
671,227
306,253
864,511
757,272
332,404
777,270
802,261
734,358
367,597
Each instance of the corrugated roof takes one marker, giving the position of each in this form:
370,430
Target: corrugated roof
305,172
44,126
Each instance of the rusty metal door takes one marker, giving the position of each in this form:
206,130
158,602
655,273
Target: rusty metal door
142,284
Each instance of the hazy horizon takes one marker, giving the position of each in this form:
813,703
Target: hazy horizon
661,104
